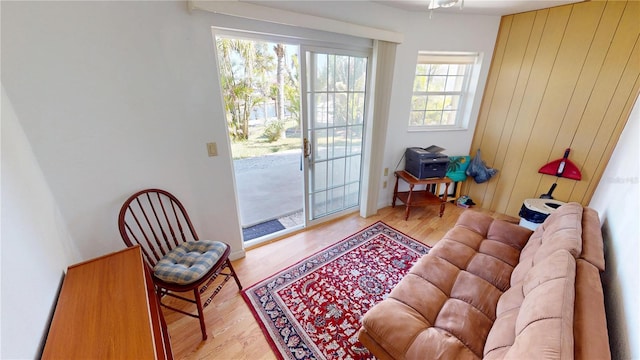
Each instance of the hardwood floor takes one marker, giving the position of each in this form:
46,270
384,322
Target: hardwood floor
233,333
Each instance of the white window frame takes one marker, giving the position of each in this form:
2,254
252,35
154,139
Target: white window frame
471,59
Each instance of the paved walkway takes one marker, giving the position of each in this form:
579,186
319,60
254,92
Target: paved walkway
269,187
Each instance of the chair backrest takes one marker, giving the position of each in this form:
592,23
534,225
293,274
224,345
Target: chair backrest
155,220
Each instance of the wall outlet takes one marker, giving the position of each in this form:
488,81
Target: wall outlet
212,149
384,185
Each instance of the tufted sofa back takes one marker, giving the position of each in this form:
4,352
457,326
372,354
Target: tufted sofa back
538,309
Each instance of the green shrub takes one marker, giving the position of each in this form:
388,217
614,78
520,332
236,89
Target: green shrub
273,130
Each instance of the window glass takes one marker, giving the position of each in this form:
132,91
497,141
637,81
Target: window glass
439,89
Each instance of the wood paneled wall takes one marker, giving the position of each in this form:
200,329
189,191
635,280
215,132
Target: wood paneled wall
564,77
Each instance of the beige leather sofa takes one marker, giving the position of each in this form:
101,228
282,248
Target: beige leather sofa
494,290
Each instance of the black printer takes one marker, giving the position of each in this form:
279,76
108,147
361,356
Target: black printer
426,163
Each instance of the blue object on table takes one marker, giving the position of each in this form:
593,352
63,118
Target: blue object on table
457,171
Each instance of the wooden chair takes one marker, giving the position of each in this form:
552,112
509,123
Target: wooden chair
178,260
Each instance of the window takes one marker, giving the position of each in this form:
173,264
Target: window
439,90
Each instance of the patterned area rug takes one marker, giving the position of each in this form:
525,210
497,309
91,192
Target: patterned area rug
312,310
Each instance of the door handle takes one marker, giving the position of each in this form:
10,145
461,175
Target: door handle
307,148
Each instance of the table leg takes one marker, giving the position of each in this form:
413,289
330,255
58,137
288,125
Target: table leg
444,198
395,192
458,186
408,204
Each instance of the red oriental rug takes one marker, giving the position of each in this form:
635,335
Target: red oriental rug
312,309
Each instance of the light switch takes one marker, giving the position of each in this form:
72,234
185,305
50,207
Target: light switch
386,171
212,149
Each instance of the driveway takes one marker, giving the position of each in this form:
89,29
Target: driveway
269,187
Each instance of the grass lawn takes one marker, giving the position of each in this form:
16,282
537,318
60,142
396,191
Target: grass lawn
259,145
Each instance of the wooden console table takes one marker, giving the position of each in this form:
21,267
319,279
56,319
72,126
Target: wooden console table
108,309
420,197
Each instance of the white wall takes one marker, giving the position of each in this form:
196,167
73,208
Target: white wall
36,246
115,97
118,96
617,201
441,33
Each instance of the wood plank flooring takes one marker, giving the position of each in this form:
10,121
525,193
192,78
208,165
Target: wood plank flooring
233,333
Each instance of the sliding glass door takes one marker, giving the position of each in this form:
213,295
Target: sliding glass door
334,94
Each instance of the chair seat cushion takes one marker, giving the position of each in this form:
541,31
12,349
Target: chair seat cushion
189,262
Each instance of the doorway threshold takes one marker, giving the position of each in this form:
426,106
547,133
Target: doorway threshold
275,227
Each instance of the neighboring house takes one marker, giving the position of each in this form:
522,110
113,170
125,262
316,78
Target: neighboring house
100,99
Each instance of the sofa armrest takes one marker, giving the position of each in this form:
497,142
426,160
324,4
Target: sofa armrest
590,323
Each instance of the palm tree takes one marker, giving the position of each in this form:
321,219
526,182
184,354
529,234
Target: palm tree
280,72
243,72
292,89
247,77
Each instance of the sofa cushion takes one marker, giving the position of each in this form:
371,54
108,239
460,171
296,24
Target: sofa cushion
435,311
561,230
542,326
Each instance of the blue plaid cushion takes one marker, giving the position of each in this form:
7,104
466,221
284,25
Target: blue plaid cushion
189,262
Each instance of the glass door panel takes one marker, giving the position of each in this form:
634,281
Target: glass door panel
335,96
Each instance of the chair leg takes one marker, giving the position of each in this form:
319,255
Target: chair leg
233,272
203,327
